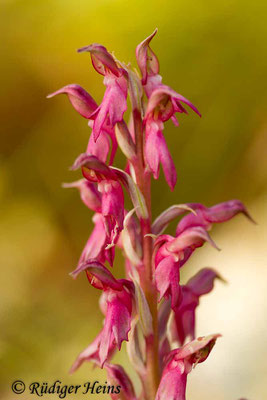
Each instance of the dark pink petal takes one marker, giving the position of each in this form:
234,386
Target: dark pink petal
118,377
93,169
183,323
191,220
203,282
152,148
224,211
116,327
82,102
190,238
156,152
162,99
118,308
102,60
167,277
95,248
146,59
90,196
160,251
207,216
170,254
100,147
173,382
112,208
179,363
98,275
113,106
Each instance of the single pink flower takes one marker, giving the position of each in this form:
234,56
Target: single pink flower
171,254
164,99
163,103
179,364
112,194
114,102
183,324
116,304
81,101
162,106
85,105
206,216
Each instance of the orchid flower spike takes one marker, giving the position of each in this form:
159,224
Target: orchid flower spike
149,309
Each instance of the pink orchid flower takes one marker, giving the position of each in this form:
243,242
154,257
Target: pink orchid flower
163,103
116,305
184,322
206,216
179,363
112,194
153,260
114,103
171,255
85,105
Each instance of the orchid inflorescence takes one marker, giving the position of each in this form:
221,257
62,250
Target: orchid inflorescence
149,309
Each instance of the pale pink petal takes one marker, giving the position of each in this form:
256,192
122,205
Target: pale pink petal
90,196
82,102
167,276
146,59
156,152
102,60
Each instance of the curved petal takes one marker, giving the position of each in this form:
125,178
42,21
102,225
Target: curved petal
98,275
146,58
82,102
102,60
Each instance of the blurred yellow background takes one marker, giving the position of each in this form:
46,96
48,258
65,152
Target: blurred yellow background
212,52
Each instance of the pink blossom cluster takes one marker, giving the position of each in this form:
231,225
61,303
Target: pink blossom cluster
149,309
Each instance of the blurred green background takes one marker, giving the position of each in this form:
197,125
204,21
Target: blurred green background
212,52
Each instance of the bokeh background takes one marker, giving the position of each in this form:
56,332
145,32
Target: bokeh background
214,53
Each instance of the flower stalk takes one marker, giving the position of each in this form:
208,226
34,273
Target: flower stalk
139,307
